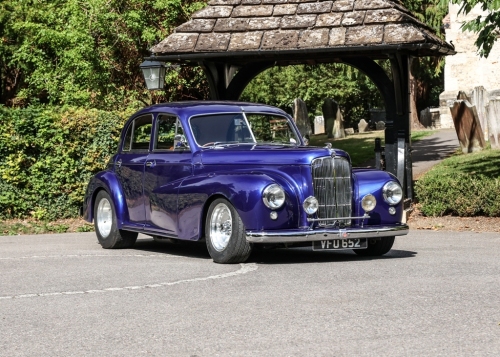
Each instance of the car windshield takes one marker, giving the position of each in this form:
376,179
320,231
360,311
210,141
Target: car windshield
251,128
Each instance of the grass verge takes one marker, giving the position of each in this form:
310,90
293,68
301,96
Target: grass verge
12,227
360,146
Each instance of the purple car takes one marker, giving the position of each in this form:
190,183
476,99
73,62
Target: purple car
239,176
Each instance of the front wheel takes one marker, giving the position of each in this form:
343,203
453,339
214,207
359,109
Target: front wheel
225,234
108,235
376,248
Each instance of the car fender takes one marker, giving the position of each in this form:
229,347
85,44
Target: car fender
106,180
371,181
242,190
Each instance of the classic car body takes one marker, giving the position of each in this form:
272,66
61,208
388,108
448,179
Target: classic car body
238,175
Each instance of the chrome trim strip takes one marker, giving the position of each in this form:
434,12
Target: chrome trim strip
336,219
306,235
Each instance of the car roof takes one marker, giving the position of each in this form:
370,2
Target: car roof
191,108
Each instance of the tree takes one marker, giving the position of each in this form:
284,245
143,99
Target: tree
426,75
86,53
279,86
487,27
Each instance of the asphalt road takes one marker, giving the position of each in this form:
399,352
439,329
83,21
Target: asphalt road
434,294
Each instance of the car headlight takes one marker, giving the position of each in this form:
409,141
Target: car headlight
310,205
393,193
273,196
368,202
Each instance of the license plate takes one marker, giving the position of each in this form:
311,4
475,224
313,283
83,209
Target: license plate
339,244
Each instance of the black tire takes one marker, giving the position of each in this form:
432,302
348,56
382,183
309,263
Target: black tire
225,234
376,248
108,235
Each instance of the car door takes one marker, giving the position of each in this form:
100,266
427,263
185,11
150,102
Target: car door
129,166
166,166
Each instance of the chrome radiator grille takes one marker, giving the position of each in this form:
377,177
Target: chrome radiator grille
333,189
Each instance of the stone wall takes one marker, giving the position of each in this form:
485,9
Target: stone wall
465,70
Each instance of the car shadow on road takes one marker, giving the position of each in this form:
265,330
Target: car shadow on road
265,256
178,248
307,255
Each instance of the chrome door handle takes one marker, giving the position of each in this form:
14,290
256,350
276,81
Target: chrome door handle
150,163
119,163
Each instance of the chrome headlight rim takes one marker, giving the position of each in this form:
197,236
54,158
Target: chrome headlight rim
273,196
392,193
310,205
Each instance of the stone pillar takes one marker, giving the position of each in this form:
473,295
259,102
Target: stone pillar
301,117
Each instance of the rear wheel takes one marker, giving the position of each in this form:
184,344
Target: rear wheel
225,234
376,248
108,235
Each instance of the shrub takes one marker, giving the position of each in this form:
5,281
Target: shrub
47,156
464,185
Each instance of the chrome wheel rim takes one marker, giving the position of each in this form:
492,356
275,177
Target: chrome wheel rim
104,217
221,227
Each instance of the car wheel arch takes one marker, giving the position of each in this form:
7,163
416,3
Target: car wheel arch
120,206
204,213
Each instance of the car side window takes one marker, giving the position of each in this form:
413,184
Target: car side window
138,134
170,135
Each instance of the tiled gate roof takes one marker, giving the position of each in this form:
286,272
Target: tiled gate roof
243,26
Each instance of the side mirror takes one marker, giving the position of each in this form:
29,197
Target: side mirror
180,141
305,139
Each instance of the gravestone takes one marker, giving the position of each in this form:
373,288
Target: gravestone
301,117
467,125
426,118
349,131
435,118
362,126
430,118
493,116
376,115
319,125
480,101
338,126
380,125
463,96
329,109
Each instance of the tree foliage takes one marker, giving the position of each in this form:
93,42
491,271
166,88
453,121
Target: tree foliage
279,86
487,27
47,156
85,53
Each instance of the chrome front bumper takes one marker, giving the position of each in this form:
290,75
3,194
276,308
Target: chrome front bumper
309,235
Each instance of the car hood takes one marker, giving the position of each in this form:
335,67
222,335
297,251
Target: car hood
266,155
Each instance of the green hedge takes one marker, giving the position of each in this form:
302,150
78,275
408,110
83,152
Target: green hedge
463,185
47,156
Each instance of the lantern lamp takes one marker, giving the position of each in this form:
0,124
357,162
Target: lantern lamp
154,74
